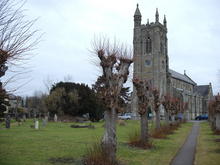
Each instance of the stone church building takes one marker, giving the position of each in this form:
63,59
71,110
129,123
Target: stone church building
151,63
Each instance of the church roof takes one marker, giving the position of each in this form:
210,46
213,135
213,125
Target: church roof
182,77
202,89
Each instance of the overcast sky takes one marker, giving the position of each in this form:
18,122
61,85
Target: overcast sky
69,27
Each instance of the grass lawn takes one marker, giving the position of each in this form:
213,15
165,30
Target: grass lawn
208,150
22,145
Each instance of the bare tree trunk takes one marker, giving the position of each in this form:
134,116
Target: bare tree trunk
144,128
109,140
217,122
173,119
167,117
212,121
185,116
8,121
157,119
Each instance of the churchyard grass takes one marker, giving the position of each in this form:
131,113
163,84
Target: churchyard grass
57,143
208,146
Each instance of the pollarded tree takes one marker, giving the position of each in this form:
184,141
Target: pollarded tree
217,112
114,61
143,94
124,96
184,109
211,111
181,108
156,105
167,106
174,108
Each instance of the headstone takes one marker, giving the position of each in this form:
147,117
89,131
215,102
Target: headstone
7,121
173,118
24,117
55,118
36,124
45,120
19,121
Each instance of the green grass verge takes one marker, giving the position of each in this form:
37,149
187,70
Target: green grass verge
208,150
22,145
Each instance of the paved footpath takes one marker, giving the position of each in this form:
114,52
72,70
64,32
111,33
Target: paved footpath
186,154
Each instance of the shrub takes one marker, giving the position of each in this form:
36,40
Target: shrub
159,133
95,156
134,136
121,122
216,132
165,130
175,126
134,140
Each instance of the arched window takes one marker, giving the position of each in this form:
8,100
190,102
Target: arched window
163,65
147,62
161,47
148,45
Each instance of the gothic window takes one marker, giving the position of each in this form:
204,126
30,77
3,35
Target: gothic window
150,82
161,47
148,45
147,62
163,65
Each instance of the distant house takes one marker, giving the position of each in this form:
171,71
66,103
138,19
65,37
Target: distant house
15,102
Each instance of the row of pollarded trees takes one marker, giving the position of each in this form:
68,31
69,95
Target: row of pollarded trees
173,106
214,113
115,61
148,95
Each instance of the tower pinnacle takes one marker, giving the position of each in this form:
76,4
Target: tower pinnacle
157,16
165,21
137,11
137,17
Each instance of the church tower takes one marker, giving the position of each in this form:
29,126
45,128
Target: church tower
150,53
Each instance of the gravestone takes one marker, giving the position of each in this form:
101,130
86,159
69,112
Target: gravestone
24,117
36,125
45,120
7,121
55,118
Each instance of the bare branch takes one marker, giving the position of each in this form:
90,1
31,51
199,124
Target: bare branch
17,37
